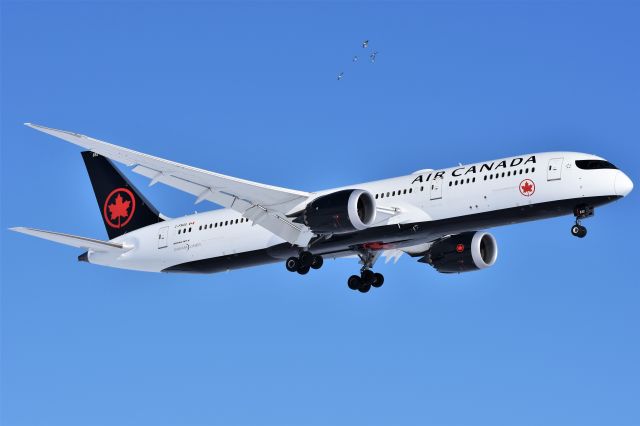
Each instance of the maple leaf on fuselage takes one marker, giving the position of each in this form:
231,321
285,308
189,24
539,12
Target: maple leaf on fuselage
527,187
119,208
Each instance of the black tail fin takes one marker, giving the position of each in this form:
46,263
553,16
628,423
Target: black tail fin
122,207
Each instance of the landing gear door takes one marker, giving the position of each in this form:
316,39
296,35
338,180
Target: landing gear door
163,238
436,189
554,171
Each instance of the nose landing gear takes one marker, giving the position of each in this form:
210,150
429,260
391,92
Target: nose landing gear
581,212
578,230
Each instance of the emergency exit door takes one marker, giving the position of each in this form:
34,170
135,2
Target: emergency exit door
554,171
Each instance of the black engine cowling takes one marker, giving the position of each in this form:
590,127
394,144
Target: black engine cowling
469,251
341,212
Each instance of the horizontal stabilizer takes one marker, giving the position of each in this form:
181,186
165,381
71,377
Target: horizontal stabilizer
72,240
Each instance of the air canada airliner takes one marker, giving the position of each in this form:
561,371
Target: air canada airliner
439,217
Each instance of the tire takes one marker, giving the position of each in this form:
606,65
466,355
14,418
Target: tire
575,230
292,264
364,288
306,259
317,263
354,282
368,277
583,232
379,280
304,270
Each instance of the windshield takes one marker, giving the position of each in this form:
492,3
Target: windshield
594,164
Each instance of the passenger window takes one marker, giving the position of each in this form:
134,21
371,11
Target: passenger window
189,229
527,170
520,171
473,180
450,184
502,174
237,220
410,190
533,169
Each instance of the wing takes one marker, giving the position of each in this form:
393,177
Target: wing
265,205
73,241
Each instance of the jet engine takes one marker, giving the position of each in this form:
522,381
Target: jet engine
340,212
469,251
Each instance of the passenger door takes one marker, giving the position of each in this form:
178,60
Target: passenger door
554,171
163,238
436,189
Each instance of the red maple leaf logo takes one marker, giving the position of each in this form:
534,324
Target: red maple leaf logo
119,208
527,187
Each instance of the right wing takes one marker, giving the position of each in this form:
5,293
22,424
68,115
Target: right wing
73,241
264,205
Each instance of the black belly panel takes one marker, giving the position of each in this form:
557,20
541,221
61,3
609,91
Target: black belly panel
391,234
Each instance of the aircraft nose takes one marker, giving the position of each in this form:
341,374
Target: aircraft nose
623,184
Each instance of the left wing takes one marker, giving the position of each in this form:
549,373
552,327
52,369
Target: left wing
264,205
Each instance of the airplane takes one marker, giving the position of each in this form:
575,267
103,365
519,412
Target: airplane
439,217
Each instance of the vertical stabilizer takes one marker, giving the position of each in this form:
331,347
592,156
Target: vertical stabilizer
122,207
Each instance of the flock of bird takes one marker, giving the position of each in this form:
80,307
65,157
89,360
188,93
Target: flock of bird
356,58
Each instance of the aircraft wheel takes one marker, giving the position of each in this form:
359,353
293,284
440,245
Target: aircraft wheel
306,258
317,263
304,270
378,280
354,282
578,231
368,277
364,288
292,264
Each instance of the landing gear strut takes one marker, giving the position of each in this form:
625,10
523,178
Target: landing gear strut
581,212
304,263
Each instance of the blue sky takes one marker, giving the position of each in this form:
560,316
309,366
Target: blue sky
550,335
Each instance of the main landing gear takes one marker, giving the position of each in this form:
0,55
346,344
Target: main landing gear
304,263
365,281
581,212
367,278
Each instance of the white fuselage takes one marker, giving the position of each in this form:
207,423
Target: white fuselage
422,197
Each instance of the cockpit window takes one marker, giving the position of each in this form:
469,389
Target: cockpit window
594,164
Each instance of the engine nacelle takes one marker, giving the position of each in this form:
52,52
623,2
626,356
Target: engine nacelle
469,251
341,212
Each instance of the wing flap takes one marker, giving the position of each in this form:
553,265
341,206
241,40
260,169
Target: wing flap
73,240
